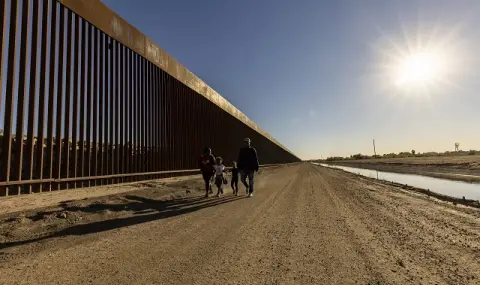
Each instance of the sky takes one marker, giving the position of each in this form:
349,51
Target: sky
325,78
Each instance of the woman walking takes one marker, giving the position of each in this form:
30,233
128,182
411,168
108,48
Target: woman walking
205,164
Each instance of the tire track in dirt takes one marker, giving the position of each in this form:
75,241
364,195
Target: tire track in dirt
243,252
354,234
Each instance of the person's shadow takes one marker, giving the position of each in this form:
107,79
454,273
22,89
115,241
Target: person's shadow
145,210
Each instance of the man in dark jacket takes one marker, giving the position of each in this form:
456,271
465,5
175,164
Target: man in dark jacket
248,164
205,163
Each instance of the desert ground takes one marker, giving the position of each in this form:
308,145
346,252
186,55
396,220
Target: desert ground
305,224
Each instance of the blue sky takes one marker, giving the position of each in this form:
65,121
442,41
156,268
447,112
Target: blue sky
317,75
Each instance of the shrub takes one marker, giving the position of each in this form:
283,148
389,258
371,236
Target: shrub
359,156
404,154
334,158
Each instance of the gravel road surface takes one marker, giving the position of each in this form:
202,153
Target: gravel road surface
305,225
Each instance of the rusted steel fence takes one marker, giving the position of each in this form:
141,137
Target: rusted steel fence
88,100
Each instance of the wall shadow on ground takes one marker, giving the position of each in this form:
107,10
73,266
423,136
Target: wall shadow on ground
144,210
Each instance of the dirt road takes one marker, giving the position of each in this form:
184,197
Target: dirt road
305,225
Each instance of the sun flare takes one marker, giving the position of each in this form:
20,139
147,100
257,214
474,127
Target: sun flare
419,68
419,61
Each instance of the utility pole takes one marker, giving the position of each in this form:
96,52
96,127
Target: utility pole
374,151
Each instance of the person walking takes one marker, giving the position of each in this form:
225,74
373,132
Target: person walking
247,165
219,175
205,163
234,182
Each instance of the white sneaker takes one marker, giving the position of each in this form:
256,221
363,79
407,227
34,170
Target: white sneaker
250,195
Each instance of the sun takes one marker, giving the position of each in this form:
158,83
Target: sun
418,60
421,67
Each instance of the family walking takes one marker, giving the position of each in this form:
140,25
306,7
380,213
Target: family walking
213,170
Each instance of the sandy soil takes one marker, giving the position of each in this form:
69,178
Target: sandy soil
305,225
461,168
19,203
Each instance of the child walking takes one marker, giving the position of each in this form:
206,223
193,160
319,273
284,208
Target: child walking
219,178
234,182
